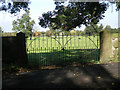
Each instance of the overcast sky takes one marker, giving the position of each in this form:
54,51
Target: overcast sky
37,7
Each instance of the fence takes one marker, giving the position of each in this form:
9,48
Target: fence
62,50
59,49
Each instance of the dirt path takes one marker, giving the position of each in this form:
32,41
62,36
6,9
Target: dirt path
90,76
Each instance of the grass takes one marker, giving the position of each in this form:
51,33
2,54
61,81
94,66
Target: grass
43,44
63,57
114,35
62,51
47,51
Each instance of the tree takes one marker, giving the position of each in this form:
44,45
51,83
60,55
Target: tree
42,33
93,29
108,27
0,29
74,14
39,33
72,32
114,30
48,33
1,32
13,6
36,33
24,24
67,33
78,33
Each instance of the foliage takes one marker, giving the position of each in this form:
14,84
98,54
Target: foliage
1,32
108,27
0,29
118,5
36,33
48,33
67,33
114,30
42,33
74,14
92,30
14,7
78,32
8,34
72,32
52,31
24,24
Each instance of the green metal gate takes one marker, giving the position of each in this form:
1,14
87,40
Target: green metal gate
62,49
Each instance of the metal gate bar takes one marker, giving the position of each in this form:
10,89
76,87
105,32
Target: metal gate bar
61,49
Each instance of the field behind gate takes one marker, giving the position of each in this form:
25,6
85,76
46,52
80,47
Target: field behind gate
62,50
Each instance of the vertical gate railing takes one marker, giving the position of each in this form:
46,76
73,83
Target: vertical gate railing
62,49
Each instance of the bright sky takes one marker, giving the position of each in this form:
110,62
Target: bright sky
37,7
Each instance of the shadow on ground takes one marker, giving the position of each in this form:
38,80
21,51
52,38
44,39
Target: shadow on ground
66,57
90,76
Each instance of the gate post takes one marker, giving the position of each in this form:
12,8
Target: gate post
21,46
105,46
118,36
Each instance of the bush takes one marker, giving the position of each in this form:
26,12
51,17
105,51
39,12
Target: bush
48,33
36,33
72,32
67,33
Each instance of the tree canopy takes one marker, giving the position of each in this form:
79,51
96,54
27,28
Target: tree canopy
63,17
24,24
89,30
73,15
13,6
1,31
